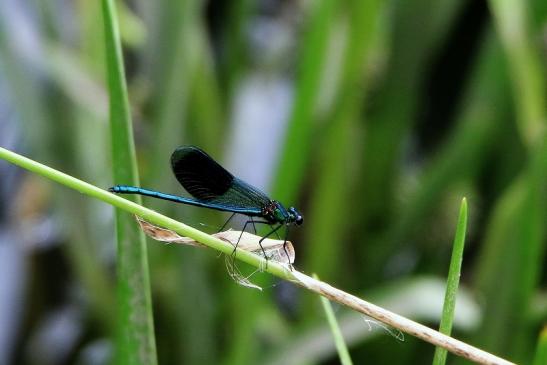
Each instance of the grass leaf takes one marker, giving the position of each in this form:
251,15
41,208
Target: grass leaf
135,343
452,283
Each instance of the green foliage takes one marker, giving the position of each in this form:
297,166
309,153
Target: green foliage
397,110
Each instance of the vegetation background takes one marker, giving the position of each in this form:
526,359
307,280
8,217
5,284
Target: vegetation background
374,118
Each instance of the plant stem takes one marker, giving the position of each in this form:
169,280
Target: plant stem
404,324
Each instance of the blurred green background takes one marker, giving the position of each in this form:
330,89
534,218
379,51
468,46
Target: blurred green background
373,118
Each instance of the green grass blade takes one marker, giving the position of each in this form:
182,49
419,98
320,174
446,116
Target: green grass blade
294,157
525,66
388,127
341,347
515,245
477,129
337,147
174,63
135,343
541,350
452,283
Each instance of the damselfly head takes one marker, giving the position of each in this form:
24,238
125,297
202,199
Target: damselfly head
295,216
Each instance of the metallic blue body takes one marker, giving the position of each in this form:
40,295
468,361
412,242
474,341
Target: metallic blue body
124,189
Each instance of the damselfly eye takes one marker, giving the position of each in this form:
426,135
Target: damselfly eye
297,218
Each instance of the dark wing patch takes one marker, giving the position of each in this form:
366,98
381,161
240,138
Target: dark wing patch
209,182
199,174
